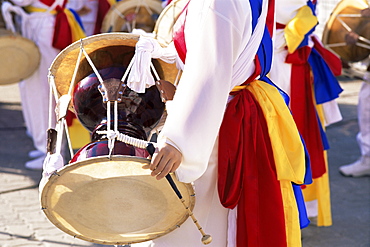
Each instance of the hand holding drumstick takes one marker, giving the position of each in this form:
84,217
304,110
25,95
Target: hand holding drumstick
165,160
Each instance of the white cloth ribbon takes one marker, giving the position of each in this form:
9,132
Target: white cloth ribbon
140,76
7,10
52,163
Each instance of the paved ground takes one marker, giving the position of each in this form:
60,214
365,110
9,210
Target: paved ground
22,223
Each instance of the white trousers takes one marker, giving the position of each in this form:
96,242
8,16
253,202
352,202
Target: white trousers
363,137
34,91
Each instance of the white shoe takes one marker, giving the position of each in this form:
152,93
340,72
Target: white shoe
35,164
35,154
359,168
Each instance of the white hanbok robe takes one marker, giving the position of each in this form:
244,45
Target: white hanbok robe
220,55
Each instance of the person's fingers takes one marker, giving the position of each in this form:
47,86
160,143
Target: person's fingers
174,167
147,166
166,160
166,170
155,160
169,168
163,161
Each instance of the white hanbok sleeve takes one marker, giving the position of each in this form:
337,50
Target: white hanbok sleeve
214,34
23,3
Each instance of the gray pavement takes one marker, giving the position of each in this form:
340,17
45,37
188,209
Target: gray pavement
22,223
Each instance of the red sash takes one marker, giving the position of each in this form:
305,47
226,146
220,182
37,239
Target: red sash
303,108
302,105
247,173
179,34
103,8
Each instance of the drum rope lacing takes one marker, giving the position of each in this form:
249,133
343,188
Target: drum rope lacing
114,134
64,100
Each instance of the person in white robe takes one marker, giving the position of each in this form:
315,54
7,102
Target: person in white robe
220,55
34,91
281,71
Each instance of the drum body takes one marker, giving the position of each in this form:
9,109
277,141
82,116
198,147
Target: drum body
334,35
137,113
19,57
105,195
126,15
113,201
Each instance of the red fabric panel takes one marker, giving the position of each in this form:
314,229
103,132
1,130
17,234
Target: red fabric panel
103,7
62,30
47,2
270,18
179,34
303,108
247,174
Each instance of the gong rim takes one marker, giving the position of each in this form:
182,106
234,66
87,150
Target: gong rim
62,205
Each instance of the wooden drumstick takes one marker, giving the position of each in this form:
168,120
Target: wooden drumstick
206,238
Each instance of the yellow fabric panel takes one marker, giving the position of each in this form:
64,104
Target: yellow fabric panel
112,2
286,143
31,9
78,134
291,214
288,152
77,31
320,188
298,27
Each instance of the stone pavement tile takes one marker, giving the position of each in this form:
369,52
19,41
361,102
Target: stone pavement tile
14,181
4,236
24,223
12,94
19,228
19,242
